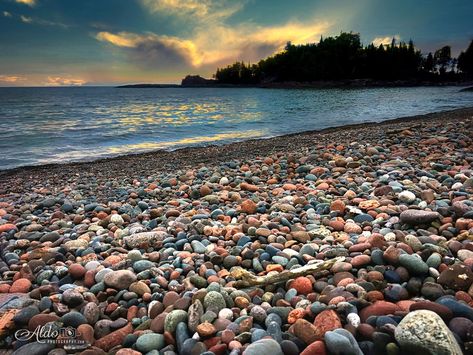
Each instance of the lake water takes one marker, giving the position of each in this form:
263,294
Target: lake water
47,125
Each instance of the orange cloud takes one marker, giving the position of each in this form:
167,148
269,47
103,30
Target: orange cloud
63,81
155,48
216,44
252,43
121,39
26,2
11,78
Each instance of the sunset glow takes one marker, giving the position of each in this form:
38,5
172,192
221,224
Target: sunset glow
160,41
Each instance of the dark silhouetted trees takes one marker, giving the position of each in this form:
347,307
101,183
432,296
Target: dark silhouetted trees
343,57
239,73
465,60
428,63
443,58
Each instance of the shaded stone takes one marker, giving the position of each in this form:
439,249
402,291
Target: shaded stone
457,277
120,279
417,217
425,331
264,346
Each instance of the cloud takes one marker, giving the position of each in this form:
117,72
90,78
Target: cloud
223,44
64,81
209,41
11,78
210,47
40,21
26,2
195,9
6,14
26,19
155,50
386,40
122,39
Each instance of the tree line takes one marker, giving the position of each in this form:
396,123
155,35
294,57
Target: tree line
344,57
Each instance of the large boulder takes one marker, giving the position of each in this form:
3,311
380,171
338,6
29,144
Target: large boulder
425,332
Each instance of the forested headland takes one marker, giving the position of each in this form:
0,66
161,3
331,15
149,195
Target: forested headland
344,57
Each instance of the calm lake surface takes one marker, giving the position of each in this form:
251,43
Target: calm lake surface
47,125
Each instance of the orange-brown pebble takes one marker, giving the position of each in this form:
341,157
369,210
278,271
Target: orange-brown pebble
241,302
77,271
113,339
86,332
337,224
127,351
346,281
248,206
206,329
302,285
338,205
20,286
219,349
337,300
378,308
248,187
234,345
315,348
305,331
205,190
274,267
375,276
463,296
360,260
325,321
405,305
352,228
295,314
374,296
7,227
289,187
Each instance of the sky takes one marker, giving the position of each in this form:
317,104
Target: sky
110,42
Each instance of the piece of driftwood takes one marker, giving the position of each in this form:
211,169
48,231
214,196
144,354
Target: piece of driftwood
247,279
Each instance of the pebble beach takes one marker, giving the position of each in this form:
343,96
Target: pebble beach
144,254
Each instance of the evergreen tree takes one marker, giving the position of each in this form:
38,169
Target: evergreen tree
428,63
465,60
442,58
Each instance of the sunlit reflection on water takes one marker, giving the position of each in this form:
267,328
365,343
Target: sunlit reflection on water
44,125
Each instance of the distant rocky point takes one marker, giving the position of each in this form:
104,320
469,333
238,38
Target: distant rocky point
189,81
146,86
197,81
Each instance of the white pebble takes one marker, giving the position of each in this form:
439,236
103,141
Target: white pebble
406,196
116,219
226,313
434,272
353,319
